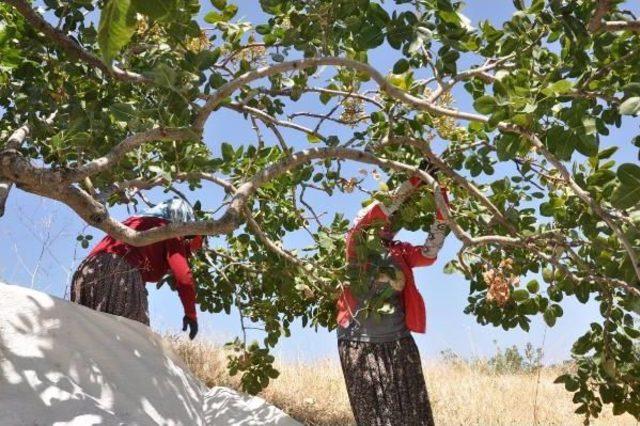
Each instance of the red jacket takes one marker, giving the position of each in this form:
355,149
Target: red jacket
155,260
405,255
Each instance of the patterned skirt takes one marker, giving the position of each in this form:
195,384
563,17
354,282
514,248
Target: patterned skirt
108,283
385,383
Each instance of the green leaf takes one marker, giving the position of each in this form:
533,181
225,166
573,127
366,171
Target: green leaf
571,385
632,88
400,66
450,17
219,4
161,172
587,145
625,196
629,174
589,125
228,153
520,295
606,153
485,104
163,75
533,286
214,17
549,317
206,58
278,57
263,29
117,25
609,367
325,97
507,146
560,142
558,88
397,80
224,15
562,379
155,9
313,138
630,106
556,309
123,112
230,11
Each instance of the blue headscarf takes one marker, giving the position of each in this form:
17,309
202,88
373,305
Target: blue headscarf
173,209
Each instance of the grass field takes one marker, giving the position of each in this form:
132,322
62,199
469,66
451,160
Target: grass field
461,393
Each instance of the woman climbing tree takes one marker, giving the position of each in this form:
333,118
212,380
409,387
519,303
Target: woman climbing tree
112,278
377,313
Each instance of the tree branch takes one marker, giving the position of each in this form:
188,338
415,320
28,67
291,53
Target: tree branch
287,92
269,119
597,22
585,197
464,183
130,143
602,7
13,143
227,89
621,26
70,46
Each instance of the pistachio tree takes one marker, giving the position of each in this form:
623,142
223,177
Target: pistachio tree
102,101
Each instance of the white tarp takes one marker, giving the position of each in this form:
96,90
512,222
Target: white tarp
64,364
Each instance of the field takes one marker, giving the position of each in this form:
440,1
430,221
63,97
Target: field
461,393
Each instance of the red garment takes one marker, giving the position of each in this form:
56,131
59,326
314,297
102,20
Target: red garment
405,255
155,260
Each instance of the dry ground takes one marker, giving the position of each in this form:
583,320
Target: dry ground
461,394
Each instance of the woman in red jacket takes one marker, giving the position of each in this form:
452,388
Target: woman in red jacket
380,360
112,278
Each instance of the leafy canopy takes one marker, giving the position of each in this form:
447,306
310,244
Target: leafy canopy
116,108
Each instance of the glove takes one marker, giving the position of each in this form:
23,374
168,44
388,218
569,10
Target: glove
169,280
192,324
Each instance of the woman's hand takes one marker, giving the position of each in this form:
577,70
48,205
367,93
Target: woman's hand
192,324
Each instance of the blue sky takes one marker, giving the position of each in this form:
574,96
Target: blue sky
39,248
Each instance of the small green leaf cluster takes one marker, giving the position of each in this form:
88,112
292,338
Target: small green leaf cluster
84,240
254,362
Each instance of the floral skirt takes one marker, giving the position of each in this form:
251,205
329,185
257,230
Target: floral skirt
385,383
108,283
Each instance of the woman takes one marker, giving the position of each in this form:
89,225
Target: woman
112,278
380,360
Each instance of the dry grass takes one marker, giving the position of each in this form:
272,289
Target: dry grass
314,393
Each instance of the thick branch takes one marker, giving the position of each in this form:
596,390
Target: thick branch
132,142
597,22
621,26
13,143
602,8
